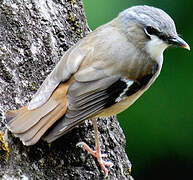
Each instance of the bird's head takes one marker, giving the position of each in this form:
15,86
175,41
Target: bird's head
150,29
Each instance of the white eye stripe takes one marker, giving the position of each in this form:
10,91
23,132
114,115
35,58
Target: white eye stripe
147,32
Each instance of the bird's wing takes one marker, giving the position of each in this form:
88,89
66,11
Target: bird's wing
86,99
62,72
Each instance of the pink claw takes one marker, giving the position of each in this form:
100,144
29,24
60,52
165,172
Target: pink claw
97,154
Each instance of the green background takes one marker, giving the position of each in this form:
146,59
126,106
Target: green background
159,126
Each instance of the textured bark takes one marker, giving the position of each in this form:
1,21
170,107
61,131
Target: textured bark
33,36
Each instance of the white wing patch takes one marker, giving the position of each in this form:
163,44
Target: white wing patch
123,94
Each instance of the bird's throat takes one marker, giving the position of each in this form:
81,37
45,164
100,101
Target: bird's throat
155,48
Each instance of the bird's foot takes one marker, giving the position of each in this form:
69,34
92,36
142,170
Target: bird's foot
97,154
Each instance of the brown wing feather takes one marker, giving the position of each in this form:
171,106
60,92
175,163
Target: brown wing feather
30,125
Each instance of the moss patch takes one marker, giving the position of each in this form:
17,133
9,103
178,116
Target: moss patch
4,149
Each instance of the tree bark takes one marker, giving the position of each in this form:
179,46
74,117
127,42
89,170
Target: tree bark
33,36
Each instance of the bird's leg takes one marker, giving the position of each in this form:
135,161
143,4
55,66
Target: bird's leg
97,153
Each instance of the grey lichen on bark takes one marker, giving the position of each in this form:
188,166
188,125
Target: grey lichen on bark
33,36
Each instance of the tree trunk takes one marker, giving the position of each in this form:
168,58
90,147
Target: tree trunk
33,36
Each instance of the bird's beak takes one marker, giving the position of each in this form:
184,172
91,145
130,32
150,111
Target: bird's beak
178,41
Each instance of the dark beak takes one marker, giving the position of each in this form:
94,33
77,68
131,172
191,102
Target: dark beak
178,41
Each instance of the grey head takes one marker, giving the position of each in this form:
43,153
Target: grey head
146,23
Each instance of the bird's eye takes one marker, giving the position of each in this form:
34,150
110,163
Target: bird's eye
151,31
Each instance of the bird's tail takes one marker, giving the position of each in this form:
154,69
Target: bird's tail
30,125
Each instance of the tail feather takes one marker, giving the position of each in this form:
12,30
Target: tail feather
10,114
27,119
30,125
31,136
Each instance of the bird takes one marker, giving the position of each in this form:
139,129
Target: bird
100,76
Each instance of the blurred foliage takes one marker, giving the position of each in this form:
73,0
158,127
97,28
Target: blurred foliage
159,126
